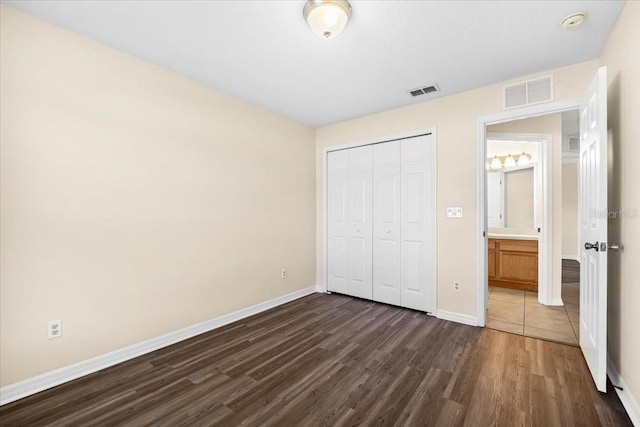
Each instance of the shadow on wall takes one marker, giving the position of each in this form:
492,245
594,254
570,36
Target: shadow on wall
614,295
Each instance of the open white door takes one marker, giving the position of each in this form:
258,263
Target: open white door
593,228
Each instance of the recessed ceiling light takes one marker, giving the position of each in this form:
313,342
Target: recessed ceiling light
574,20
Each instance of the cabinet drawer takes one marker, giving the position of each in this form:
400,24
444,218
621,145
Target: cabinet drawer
518,245
491,244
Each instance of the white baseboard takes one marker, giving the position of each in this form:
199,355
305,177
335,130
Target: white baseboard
628,401
571,257
62,375
557,302
457,317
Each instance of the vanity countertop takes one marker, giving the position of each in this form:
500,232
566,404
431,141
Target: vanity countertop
513,236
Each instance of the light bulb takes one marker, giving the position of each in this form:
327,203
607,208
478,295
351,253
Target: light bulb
524,159
327,18
509,162
496,163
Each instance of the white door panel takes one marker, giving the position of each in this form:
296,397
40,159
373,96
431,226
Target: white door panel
386,228
418,223
495,199
412,267
360,228
414,197
337,224
593,228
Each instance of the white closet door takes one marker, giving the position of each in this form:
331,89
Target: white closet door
337,220
386,222
418,223
360,230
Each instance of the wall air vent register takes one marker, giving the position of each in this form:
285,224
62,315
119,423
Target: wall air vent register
530,92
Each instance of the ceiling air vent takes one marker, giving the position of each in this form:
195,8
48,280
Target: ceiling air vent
424,90
530,92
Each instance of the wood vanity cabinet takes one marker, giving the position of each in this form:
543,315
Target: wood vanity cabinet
513,264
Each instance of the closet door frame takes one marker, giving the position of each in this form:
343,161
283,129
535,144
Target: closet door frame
322,287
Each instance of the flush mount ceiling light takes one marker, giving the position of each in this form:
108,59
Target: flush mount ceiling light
327,18
574,20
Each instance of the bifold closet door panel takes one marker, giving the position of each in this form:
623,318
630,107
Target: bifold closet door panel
418,222
360,228
337,220
386,222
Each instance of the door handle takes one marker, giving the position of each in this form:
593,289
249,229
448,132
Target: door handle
595,246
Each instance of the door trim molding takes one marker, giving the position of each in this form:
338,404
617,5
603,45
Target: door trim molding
482,226
371,141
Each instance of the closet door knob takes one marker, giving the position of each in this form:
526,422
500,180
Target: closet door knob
358,230
388,231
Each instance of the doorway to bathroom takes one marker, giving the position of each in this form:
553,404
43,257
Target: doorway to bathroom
593,208
526,222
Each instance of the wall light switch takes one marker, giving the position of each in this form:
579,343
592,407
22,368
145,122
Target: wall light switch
454,212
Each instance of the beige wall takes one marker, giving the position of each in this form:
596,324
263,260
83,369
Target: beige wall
135,202
623,67
455,118
570,221
519,198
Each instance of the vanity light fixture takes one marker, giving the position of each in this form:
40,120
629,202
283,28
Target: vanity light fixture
327,18
509,162
495,163
524,159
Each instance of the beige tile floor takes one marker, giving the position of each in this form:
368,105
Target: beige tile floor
519,312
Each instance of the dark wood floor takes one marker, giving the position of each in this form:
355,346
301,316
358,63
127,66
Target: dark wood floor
570,271
335,360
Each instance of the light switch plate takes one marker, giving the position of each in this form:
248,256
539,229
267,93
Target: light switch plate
454,212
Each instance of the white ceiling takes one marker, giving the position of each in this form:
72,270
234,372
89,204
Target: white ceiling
263,51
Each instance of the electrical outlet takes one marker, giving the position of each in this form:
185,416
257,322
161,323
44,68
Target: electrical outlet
283,273
456,286
54,329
